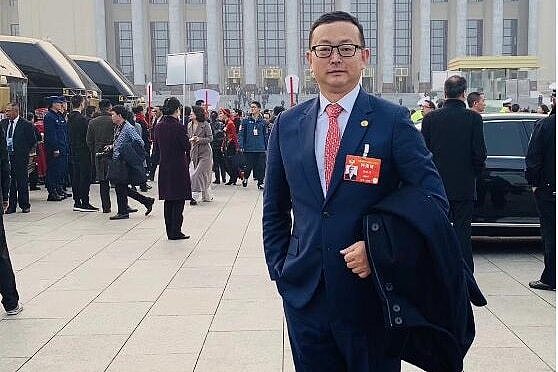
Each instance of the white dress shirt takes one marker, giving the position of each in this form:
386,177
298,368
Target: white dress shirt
10,140
347,102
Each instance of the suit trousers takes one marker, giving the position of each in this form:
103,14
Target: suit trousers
219,165
104,188
322,341
8,289
122,193
19,182
461,215
53,174
546,206
173,217
81,177
254,161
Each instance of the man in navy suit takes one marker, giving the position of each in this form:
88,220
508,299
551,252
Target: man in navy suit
20,139
319,262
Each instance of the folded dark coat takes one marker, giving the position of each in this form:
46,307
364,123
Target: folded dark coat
422,281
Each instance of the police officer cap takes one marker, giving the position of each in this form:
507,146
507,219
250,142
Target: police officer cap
55,99
507,101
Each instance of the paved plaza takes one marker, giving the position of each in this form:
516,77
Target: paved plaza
104,295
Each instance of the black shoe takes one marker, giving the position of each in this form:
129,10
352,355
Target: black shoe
119,217
149,206
145,188
10,210
193,202
131,210
537,284
54,197
86,207
25,210
77,207
106,210
244,183
180,236
66,194
34,188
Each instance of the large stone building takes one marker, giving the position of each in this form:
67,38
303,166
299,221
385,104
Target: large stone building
256,43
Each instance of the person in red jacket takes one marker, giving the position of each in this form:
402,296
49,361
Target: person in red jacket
230,146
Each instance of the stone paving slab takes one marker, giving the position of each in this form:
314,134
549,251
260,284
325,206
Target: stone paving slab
104,295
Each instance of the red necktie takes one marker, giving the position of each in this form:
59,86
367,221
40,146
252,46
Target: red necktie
333,140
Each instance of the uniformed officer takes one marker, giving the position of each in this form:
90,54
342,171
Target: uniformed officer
252,137
506,106
56,148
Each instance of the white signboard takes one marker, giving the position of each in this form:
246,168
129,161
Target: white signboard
185,68
210,97
294,84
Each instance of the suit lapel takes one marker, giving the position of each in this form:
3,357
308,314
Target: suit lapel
351,140
307,131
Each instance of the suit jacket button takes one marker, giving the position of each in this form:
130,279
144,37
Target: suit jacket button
375,226
398,320
326,214
396,308
389,287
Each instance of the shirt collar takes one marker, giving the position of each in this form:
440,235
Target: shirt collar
15,120
347,102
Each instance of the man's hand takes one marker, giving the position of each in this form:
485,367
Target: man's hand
357,260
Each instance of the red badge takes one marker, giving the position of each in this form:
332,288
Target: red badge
362,169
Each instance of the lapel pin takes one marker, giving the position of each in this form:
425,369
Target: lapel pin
364,123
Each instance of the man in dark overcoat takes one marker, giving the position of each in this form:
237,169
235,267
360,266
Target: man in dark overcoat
100,133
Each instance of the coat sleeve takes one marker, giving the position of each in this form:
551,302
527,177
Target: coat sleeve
478,145
413,160
30,136
277,205
535,155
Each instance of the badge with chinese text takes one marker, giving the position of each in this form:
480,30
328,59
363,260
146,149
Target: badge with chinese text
362,169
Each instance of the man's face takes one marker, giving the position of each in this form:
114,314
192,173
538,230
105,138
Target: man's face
352,170
267,117
117,119
336,74
57,106
254,110
426,109
480,105
12,112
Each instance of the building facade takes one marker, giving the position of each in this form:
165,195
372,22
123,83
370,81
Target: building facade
254,44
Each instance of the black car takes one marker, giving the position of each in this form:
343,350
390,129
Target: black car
505,204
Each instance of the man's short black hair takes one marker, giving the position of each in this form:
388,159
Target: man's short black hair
256,103
515,107
76,100
124,112
104,105
336,16
455,86
277,110
473,98
199,102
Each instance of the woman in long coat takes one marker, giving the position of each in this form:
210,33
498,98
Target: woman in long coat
172,144
199,131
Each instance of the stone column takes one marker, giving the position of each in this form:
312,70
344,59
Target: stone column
424,75
176,26
100,29
343,5
138,37
292,38
249,34
533,38
497,27
461,28
214,53
387,47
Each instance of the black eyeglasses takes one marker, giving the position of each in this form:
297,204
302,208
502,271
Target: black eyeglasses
344,50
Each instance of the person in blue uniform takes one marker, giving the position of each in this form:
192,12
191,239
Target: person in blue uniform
253,137
56,148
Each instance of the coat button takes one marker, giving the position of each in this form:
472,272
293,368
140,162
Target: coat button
398,320
375,227
326,214
396,308
389,287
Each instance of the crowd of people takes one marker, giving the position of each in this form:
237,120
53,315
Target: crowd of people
122,148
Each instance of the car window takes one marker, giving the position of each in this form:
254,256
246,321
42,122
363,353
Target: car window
529,125
503,138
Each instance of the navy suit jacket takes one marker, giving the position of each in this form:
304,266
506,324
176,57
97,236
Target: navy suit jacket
302,252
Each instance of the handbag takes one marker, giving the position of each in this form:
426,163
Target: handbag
118,172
